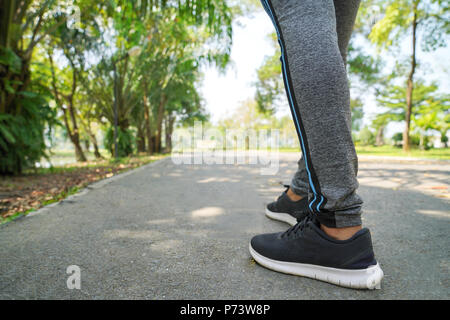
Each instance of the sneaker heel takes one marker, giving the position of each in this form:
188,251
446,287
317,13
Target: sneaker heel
374,280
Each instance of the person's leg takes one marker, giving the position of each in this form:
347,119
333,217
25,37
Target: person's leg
287,208
318,94
299,183
345,11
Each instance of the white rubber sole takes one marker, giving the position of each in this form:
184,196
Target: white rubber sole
283,217
369,278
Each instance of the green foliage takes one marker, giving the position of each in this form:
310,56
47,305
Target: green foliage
125,141
430,108
78,46
85,62
415,139
356,107
22,136
432,17
397,137
365,67
10,60
413,20
22,125
366,137
396,20
269,87
161,83
24,109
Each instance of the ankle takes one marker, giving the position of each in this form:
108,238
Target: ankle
293,196
340,233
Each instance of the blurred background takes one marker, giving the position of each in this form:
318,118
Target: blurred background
103,85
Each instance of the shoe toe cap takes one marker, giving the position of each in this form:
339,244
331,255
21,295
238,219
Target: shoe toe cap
271,206
264,243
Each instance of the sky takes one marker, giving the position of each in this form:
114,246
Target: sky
224,93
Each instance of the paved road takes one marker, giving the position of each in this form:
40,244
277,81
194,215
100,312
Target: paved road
167,231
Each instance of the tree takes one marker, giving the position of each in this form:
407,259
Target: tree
24,101
433,114
366,137
72,42
356,107
89,120
408,18
428,111
65,85
379,124
173,51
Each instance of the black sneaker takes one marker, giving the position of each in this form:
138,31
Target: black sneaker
305,250
286,210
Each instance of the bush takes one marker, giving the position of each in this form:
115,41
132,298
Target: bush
125,142
25,114
22,135
397,137
414,140
366,137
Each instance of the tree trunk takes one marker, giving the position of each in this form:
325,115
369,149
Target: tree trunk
75,138
73,132
93,139
95,144
159,120
140,139
422,142
444,139
169,130
148,126
79,154
379,139
6,17
87,145
410,83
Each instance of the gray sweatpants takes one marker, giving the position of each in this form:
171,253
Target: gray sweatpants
313,36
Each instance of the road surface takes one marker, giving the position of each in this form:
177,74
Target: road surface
170,231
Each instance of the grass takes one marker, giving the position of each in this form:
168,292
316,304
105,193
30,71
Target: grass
62,157
391,151
62,195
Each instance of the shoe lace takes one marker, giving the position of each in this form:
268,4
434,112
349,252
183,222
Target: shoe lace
299,226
